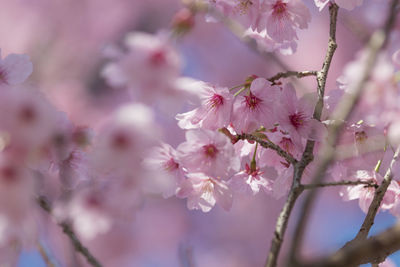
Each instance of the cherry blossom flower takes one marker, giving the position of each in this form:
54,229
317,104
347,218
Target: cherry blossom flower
94,211
27,117
203,192
255,109
120,146
250,181
209,152
214,112
363,193
284,17
14,69
170,173
295,117
150,68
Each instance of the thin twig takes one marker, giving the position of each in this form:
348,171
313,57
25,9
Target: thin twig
297,74
342,112
368,183
67,229
44,253
268,144
372,250
376,202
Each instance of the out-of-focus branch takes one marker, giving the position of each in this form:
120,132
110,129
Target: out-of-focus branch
372,250
268,144
369,183
342,112
67,229
297,74
296,188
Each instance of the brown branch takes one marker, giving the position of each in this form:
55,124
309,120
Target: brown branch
376,202
283,218
368,183
297,74
307,157
342,112
372,250
67,229
46,258
268,144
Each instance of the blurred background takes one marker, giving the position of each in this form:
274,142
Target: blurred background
66,40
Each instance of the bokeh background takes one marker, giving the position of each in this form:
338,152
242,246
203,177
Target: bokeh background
66,40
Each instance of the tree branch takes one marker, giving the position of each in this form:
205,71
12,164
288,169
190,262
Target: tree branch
45,256
342,112
376,202
297,74
369,183
372,250
307,156
67,229
268,144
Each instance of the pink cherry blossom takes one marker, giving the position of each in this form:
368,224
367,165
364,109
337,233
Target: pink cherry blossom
203,192
283,17
214,112
14,69
149,69
295,117
363,193
391,196
170,173
209,152
250,181
27,116
254,109
123,140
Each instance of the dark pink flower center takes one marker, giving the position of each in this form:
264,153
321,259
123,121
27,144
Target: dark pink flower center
9,174
254,173
27,114
216,101
210,150
93,201
158,58
171,165
297,119
252,102
361,136
120,141
279,8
